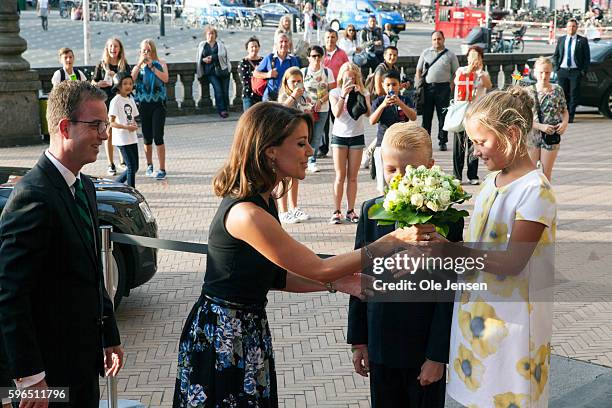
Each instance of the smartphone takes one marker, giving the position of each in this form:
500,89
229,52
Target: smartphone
299,85
391,93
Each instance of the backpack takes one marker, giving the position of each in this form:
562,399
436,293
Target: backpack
258,85
76,71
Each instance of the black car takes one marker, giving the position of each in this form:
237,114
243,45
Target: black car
127,211
596,86
271,13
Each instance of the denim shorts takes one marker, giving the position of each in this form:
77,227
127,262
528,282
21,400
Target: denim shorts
353,142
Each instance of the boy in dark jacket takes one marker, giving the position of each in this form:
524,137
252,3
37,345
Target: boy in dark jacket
403,346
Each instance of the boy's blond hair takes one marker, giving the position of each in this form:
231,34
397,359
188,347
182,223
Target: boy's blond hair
64,50
408,136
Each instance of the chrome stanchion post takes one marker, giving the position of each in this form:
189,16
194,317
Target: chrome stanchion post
110,284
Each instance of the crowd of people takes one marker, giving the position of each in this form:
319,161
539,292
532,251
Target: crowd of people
497,349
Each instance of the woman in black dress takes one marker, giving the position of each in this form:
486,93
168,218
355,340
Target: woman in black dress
225,354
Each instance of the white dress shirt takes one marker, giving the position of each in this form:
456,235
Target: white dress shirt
572,51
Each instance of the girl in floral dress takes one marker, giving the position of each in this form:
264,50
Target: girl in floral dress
554,117
500,339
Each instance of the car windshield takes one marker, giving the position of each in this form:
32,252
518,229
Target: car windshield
232,3
600,51
382,6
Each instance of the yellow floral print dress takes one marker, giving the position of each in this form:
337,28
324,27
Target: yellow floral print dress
500,339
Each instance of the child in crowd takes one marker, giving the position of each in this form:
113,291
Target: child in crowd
402,346
386,111
292,94
500,338
67,72
122,114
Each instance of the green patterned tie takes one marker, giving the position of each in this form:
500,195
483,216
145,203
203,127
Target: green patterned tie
83,208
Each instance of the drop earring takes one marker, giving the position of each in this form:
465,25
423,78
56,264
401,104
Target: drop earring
273,166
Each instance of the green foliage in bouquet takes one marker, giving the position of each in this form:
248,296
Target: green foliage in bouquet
421,196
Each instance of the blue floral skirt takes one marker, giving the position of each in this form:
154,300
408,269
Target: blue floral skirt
225,358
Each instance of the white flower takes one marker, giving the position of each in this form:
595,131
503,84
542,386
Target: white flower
436,169
444,198
417,200
431,181
455,182
432,205
446,185
390,200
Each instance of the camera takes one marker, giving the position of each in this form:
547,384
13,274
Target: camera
391,93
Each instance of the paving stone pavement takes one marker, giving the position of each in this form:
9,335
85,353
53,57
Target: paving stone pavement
313,360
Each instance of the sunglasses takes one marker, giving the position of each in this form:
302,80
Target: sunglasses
315,56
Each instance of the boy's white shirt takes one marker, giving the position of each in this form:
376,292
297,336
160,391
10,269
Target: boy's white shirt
117,108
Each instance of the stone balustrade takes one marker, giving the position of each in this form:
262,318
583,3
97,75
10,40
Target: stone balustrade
189,96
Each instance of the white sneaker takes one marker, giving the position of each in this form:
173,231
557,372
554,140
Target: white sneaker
299,214
288,218
312,168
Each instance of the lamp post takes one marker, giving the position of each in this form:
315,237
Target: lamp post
162,23
19,85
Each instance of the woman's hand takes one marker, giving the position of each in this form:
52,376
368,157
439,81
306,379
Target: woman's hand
361,360
355,285
142,61
207,60
103,84
297,93
431,371
317,106
347,87
562,127
549,129
418,232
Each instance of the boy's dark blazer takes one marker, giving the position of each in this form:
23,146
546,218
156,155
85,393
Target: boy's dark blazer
400,335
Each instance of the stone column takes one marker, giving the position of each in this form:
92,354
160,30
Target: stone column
19,117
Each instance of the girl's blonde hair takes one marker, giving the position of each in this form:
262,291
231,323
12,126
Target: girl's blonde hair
502,111
349,66
122,61
408,136
543,61
284,88
151,45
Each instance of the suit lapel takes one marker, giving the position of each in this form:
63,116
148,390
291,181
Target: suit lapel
66,195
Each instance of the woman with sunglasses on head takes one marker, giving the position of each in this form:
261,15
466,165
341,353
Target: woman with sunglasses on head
349,42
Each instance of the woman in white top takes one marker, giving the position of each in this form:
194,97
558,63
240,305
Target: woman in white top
348,139
308,22
471,83
349,43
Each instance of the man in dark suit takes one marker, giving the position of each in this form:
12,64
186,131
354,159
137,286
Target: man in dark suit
572,58
402,346
57,321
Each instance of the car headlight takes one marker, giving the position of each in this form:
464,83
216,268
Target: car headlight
146,211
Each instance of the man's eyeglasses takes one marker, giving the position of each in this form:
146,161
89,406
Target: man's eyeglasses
316,56
101,126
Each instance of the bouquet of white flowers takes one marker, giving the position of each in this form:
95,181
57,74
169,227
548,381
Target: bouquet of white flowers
421,196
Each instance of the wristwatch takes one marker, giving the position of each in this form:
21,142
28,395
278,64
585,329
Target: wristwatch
330,287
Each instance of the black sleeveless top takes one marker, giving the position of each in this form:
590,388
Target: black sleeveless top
235,271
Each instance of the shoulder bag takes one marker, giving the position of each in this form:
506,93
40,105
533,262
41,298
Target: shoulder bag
420,85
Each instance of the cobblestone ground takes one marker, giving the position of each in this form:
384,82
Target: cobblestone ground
313,361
